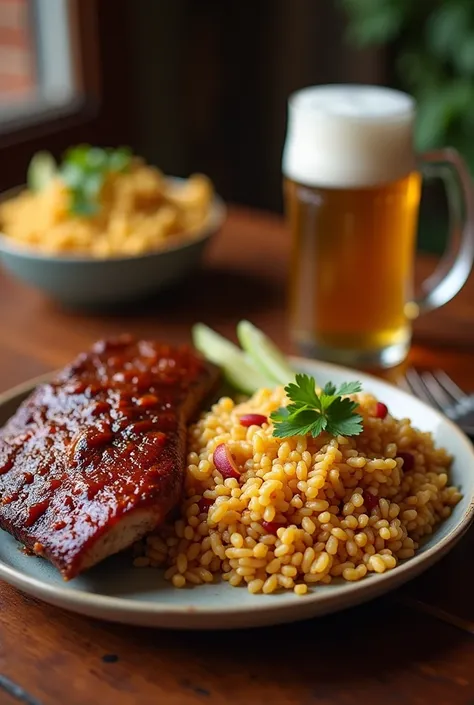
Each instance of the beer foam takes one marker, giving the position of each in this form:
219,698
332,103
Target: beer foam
349,136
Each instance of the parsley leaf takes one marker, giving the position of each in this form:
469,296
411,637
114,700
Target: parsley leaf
329,389
84,170
343,421
349,388
303,391
310,413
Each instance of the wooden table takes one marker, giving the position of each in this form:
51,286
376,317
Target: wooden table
410,648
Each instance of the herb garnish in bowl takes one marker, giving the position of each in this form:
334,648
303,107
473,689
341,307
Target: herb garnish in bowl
83,170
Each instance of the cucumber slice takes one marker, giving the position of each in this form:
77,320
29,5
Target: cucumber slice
238,370
265,355
41,170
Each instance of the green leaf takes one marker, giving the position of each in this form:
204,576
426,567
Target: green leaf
374,22
92,183
439,108
349,388
345,427
431,122
119,159
309,413
96,158
72,174
343,421
303,390
463,57
82,206
309,422
329,389
280,415
326,400
295,409
284,429
318,426
446,27
419,70
84,171
77,155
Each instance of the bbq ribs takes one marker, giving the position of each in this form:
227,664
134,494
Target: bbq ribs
94,460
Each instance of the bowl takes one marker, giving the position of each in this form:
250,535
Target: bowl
85,281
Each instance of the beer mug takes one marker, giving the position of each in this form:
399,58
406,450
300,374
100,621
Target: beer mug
352,186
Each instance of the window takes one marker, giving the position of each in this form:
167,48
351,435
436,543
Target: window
17,64
37,61
66,77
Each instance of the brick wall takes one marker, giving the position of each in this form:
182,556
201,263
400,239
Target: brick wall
17,56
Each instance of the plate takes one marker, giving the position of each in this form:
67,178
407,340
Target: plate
116,591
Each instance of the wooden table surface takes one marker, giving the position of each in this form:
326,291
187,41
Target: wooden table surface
413,647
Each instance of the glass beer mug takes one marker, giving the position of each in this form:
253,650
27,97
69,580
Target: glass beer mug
352,186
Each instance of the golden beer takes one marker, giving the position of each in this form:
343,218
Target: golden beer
351,267
352,193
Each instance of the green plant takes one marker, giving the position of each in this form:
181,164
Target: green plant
433,42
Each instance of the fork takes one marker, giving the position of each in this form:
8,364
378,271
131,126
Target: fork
438,390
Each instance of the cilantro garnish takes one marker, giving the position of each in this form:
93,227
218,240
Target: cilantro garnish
310,413
84,170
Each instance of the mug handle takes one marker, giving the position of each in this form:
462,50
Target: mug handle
455,265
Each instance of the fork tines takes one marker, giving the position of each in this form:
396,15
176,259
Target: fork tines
435,388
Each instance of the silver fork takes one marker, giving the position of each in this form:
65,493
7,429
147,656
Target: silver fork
438,390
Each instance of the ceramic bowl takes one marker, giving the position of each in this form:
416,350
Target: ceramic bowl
80,280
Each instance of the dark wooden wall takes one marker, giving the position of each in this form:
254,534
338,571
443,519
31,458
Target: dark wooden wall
211,80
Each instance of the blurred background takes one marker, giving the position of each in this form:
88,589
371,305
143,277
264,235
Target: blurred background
202,86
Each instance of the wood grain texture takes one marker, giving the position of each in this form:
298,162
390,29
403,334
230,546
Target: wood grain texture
385,652
381,653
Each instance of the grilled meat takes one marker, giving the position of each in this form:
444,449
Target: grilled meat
95,460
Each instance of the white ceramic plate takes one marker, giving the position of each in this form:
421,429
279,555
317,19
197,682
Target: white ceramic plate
117,592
